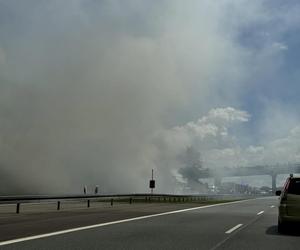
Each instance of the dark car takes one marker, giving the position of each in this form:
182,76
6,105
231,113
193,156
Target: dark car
289,205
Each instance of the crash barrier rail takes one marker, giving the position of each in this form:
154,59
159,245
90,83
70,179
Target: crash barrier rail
112,198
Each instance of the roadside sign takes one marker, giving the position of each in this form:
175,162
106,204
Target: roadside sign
152,184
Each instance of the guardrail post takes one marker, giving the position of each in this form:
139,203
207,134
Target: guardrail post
18,208
88,203
112,202
58,205
130,200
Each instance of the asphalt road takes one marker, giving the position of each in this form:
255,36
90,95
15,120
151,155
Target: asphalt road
242,225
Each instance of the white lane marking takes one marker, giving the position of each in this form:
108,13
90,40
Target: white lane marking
113,222
233,229
261,212
272,206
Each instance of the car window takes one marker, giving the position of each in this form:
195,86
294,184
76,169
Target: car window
294,186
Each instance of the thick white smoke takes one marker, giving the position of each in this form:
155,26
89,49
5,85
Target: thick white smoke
86,87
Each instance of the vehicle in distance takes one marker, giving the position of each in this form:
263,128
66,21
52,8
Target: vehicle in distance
289,203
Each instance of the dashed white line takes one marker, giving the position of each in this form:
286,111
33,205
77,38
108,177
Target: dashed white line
261,212
272,206
234,228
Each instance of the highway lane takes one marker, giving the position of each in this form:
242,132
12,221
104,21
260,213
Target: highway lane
44,218
243,225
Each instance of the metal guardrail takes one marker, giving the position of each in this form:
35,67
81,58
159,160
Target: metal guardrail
130,198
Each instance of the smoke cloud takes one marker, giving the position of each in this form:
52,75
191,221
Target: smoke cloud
94,92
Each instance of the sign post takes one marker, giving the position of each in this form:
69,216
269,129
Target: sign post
152,183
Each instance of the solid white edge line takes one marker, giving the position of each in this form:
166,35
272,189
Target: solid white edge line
113,222
261,212
234,228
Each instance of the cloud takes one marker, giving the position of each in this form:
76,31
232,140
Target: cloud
279,46
214,125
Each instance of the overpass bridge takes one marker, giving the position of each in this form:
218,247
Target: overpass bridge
271,170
